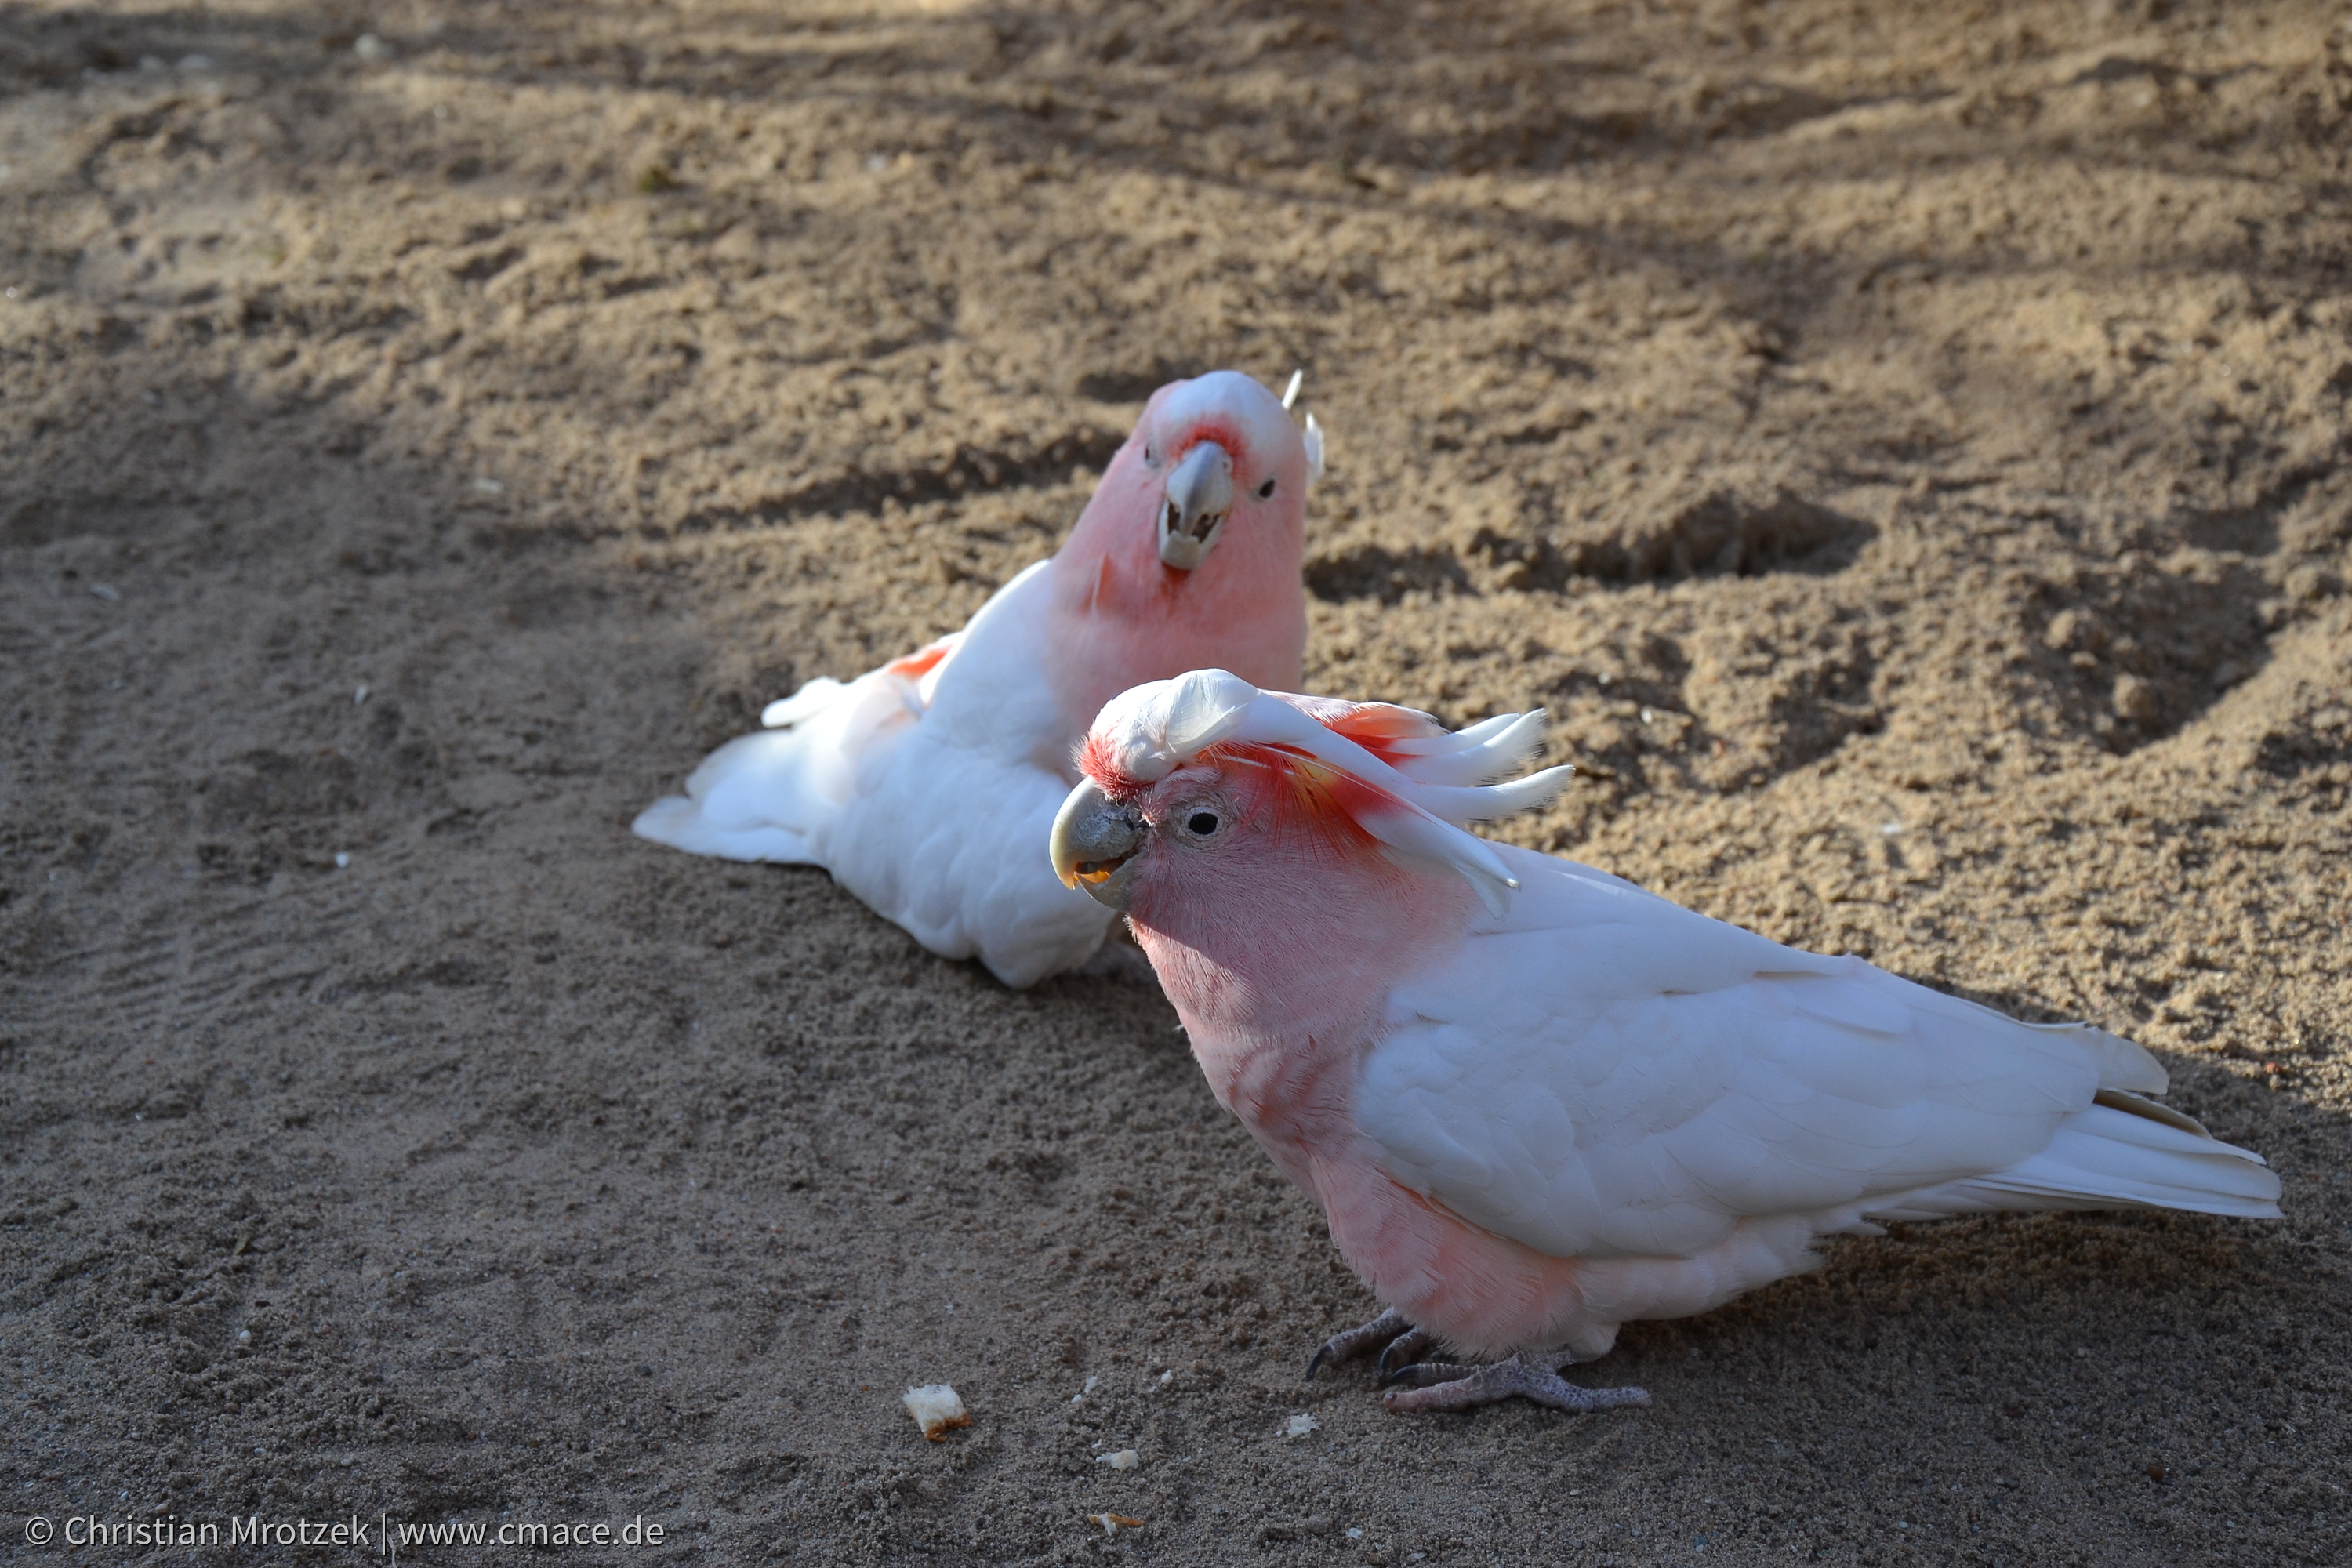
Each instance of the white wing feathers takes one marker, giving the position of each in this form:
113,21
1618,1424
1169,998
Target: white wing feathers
1600,1073
929,795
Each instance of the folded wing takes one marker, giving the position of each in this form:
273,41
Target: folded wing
1600,1073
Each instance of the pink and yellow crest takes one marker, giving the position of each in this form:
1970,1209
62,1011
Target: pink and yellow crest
1398,776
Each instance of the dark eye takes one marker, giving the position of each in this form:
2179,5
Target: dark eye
1151,453
1265,491
1200,824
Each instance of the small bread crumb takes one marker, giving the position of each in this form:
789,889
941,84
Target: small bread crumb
1298,1426
1125,1459
936,1407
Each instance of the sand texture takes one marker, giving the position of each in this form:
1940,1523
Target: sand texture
1905,446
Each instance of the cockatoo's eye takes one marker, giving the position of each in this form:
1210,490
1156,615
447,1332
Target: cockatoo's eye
1151,454
1201,823
1265,491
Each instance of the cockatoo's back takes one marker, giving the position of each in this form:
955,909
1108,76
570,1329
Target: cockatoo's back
922,786
1600,1073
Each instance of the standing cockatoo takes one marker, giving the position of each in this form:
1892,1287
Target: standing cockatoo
1536,1101
927,785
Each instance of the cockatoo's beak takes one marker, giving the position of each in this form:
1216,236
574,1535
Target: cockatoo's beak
1095,841
1200,493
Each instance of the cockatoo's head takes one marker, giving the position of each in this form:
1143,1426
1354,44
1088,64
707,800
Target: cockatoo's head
1220,453
1187,778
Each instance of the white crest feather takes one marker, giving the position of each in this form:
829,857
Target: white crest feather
1152,728
1313,437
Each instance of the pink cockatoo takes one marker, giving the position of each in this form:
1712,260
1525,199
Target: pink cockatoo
927,785
1536,1101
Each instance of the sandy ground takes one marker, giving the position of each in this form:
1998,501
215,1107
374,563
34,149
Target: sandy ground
1905,446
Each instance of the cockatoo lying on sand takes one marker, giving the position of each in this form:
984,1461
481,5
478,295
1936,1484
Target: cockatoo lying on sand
926,786
1534,1101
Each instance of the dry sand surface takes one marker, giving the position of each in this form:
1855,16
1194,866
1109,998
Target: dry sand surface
1906,447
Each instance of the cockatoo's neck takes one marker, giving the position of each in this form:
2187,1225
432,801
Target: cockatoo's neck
1281,969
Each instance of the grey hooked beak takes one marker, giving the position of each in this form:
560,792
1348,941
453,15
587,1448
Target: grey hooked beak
1095,841
1200,493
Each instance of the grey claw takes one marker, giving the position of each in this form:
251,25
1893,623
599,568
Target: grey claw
1424,1372
1401,1350
1349,1343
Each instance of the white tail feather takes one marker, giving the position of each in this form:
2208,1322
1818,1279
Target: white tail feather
2106,1157
678,822
764,796
809,701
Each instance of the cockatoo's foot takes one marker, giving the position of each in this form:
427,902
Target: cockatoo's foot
1450,1387
1390,1329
